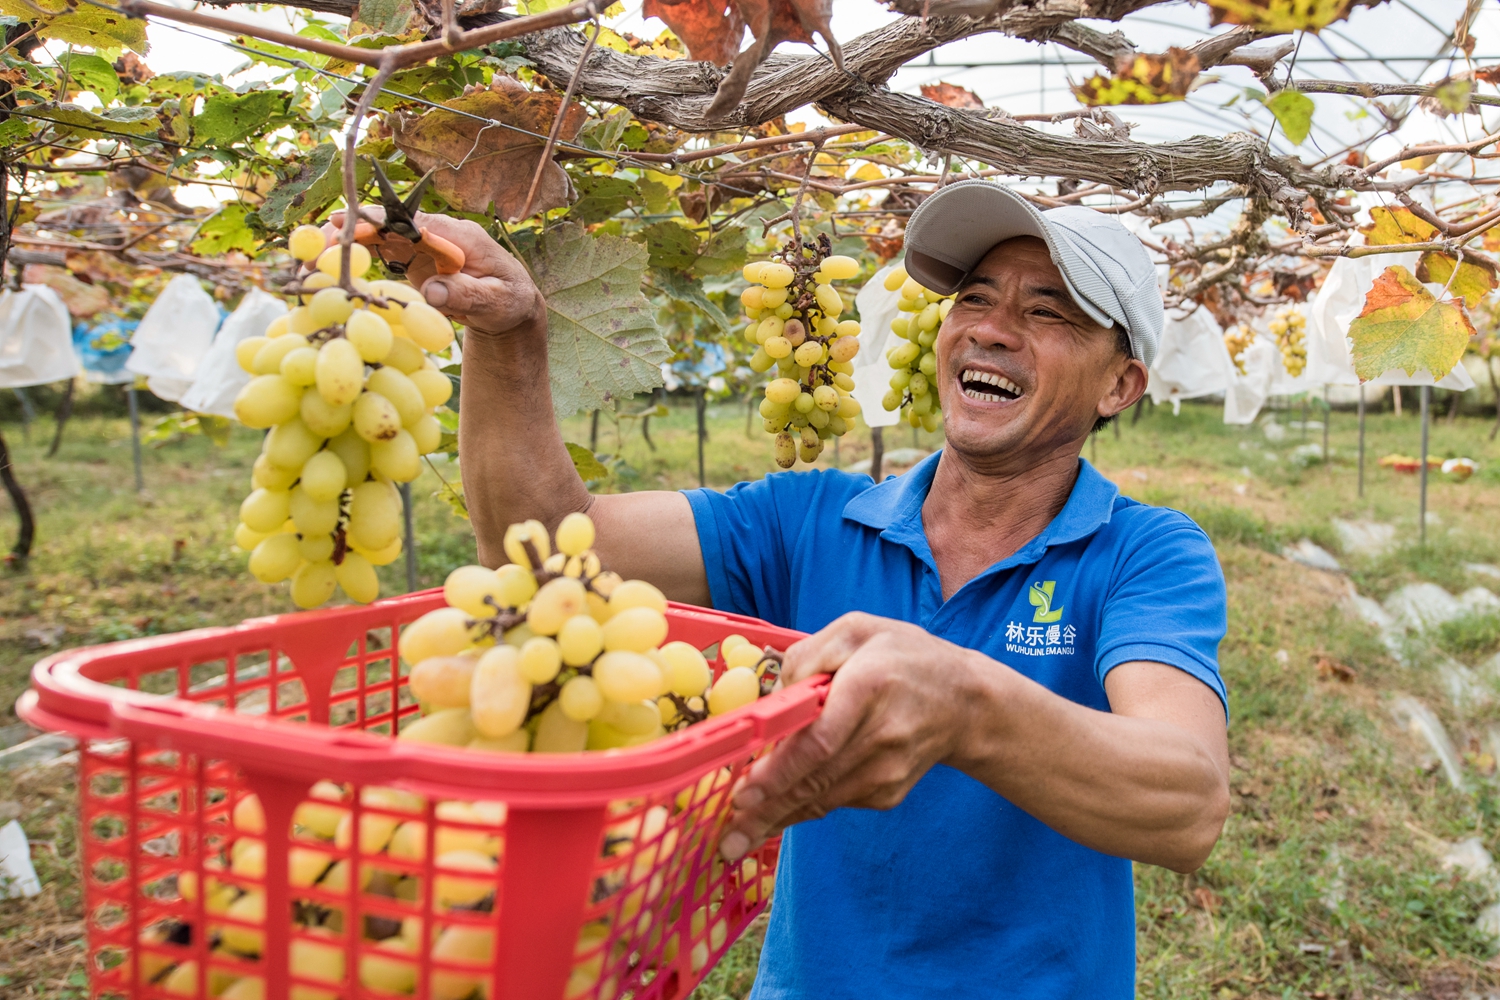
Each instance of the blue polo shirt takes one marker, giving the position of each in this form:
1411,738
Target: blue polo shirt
956,893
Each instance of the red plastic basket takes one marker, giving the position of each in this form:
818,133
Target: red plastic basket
606,881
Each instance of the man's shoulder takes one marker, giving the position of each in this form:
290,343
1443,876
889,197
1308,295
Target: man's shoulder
1134,524
821,486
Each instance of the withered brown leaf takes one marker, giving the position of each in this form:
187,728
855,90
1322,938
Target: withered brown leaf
481,164
952,95
711,29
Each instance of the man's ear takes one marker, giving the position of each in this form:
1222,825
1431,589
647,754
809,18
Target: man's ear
1129,385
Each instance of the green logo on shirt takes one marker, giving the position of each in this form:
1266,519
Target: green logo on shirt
1041,599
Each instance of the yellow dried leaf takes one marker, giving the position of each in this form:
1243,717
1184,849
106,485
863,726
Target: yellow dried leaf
1395,225
1475,278
1403,326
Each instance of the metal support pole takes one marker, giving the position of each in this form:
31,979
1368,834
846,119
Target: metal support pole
1426,416
135,434
1361,439
411,539
28,413
1327,419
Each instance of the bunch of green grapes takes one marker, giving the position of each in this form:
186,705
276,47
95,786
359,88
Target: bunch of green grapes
1237,340
347,392
793,312
1290,330
914,386
553,654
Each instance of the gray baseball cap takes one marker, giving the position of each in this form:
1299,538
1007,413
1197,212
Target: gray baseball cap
1106,268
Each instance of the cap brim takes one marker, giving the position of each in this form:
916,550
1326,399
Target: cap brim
949,234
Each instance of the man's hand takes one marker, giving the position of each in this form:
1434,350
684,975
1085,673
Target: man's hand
896,706
493,293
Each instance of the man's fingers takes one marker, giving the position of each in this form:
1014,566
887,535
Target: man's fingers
482,255
461,293
827,650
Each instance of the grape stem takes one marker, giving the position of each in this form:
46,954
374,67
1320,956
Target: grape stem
686,714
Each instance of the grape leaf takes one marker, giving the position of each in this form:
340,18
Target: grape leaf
395,17
228,118
690,290
1475,280
711,29
81,24
72,119
1293,110
601,197
479,164
952,95
772,22
1142,79
287,200
602,330
91,73
1395,225
670,246
1404,326
14,130
1279,16
227,229
586,463
722,253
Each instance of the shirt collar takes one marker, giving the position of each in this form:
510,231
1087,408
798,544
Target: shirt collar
894,507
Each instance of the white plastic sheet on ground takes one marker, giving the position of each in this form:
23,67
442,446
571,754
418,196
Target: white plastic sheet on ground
1191,360
219,377
872,376
174,337
36,338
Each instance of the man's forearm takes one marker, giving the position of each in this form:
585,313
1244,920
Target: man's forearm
515,465
1137,787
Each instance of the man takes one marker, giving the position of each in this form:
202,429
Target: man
1027,692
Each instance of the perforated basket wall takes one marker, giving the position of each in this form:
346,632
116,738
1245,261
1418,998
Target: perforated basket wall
251,829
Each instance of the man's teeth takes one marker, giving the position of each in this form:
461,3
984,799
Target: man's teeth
987,378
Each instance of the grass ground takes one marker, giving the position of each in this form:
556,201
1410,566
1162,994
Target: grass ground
1326,883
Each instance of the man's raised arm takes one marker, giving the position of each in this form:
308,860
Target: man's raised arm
515,465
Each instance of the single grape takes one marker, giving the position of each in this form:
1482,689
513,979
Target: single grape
330,307
829,300
369,334
633,718
300,366
516,585
474,589
380,557
752,271
340,372
405,356
635,629
556,602
330,261
354,452
312,516
357,578
575,534
839,268
247,538
518,535
375,419
435,386
315,548
398,458
580,640
300,321
267,400
772,298
443,632
324,476
627,677
774,275
374,515
687,672
306,242
266,510
291,444
736,687
427,433
264,475
275,559
245,351
313,584
498,695
844,349
429,328
636,594
540,659
826,397
556,732
783,390
320,417
777,347
402,393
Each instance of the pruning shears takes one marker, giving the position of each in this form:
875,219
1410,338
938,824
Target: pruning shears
400,233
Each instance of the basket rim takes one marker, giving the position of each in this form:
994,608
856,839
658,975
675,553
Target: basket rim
63,697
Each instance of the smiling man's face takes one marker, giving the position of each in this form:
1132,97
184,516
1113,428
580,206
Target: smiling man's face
1022,370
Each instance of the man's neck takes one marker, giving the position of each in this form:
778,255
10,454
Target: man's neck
975,519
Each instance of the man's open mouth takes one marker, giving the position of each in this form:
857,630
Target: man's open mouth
987,386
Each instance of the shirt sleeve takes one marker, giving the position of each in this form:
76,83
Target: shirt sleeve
1167,604
741,537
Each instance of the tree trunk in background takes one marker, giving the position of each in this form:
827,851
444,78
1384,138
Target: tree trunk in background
22,549
594,432
877,451
1396,399
64,411
1453,400
1495,387
701,405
